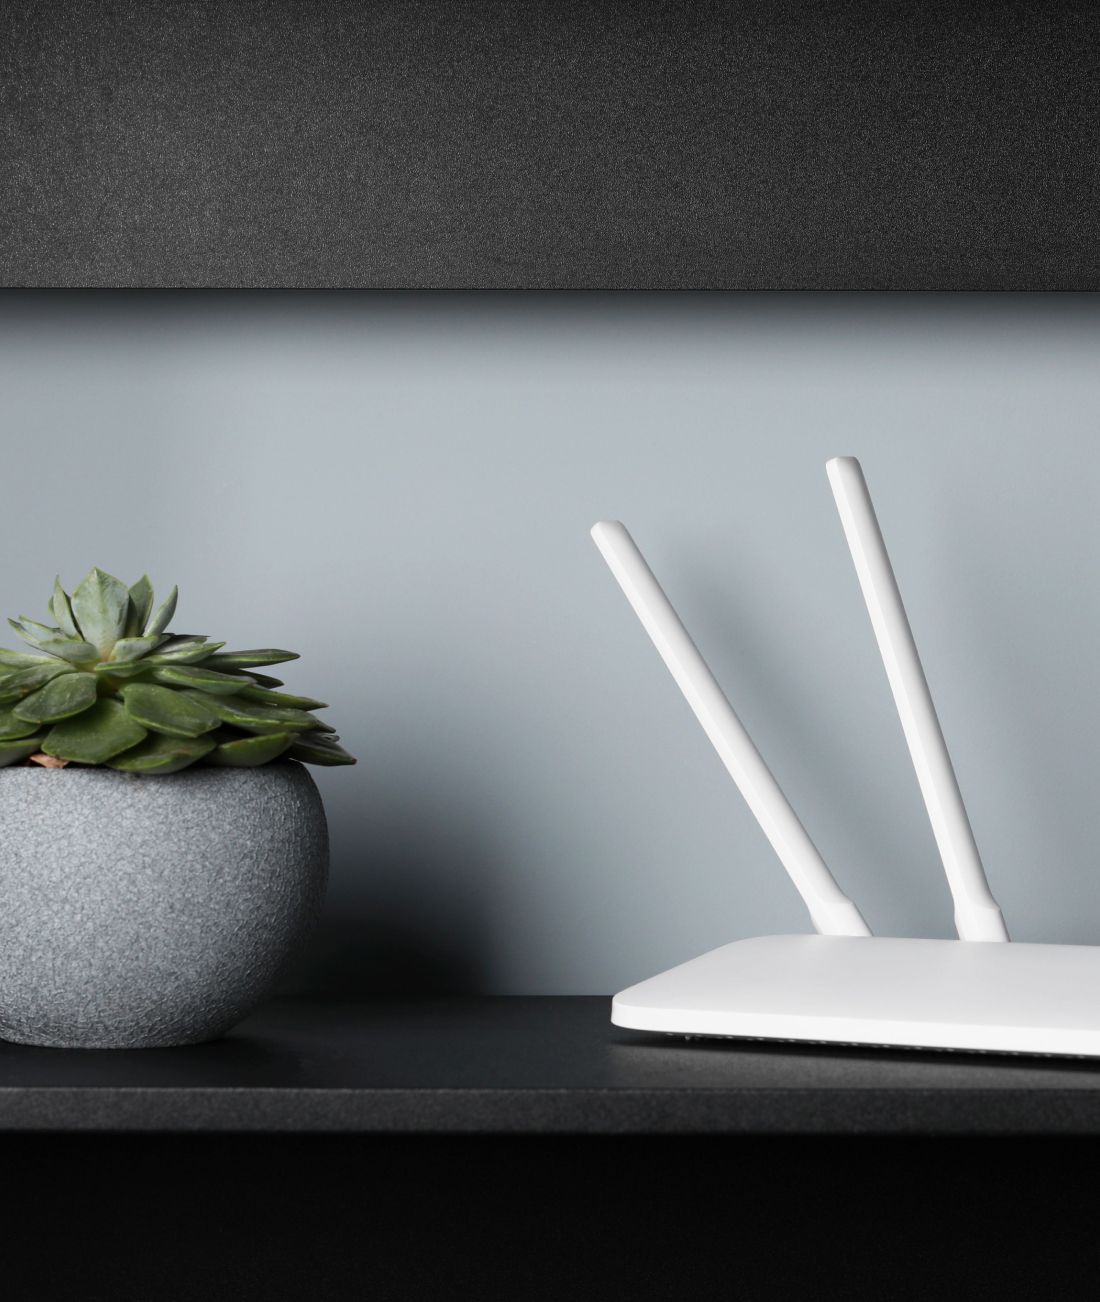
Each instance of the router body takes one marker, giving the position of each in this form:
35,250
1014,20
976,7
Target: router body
896,992
845,986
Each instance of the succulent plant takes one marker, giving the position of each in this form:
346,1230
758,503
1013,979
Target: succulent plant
107,684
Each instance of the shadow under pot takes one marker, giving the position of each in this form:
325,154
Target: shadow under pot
149,911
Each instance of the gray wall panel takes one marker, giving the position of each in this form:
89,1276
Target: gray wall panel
400,487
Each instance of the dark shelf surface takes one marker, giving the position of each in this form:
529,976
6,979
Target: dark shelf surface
520,1065
406,144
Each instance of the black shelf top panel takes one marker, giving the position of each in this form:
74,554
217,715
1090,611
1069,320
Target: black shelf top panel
519,1065
781,144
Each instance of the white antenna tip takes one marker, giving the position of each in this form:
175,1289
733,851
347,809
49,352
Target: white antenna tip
835,465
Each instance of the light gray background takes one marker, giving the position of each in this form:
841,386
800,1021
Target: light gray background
401,489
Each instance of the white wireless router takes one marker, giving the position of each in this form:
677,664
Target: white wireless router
844,985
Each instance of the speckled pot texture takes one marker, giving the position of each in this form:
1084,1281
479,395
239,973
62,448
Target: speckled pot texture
146,911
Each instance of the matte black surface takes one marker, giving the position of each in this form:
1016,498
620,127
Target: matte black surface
778,144
529,1065
369,1218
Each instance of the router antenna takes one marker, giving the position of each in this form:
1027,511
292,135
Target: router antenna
831,911
977,916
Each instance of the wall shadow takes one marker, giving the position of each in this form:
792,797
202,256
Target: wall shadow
821,759
1042,741
406,914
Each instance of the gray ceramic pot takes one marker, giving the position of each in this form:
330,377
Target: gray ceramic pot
143,911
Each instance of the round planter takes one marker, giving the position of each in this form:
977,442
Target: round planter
145,911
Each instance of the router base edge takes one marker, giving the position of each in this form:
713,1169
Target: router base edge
892,992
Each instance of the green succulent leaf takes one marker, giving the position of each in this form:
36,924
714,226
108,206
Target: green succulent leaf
31,631
318,748
162,754
141,603
60,698
184,650
174,713
127,649
53,641
248,659
99,734
24,681
251,717
61,609
109,669
254,677
249,752
14,751
76,653
266,697
200,678
12,728
101,604
164,613
21,660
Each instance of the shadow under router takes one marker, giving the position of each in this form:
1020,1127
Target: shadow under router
845,986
